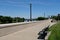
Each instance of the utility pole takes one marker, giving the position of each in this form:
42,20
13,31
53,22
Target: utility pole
44,14
30,12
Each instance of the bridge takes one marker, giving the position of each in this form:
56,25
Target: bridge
23,30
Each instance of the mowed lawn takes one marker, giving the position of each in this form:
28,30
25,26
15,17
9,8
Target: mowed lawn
55,32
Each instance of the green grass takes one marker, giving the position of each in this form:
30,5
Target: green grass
55,32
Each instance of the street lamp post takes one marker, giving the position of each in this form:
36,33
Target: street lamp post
30,12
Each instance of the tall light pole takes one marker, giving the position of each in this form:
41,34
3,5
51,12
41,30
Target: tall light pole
30,12
44,14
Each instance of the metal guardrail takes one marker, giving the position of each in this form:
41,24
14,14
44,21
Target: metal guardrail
43,33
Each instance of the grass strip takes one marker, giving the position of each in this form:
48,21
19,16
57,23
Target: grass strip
55,32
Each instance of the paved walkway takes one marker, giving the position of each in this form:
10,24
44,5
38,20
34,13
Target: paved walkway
30,33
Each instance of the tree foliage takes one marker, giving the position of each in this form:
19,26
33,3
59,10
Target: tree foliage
55,17
8,19
41,18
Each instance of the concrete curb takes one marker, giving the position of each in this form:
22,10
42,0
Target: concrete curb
16,24
46,38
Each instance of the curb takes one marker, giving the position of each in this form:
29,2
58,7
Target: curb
47,36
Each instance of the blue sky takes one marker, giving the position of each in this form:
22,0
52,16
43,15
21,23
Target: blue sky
20,8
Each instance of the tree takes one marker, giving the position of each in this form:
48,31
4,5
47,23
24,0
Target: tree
54,17
41,18
18,19
8,19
